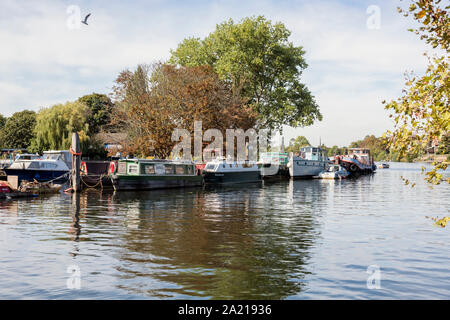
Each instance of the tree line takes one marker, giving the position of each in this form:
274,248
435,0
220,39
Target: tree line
51,128
379,147
244,74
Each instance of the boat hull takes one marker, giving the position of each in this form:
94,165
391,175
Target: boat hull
38,175
127,182
306,168
231,177
356,168
274,172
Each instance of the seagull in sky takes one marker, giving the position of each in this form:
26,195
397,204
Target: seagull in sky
85,19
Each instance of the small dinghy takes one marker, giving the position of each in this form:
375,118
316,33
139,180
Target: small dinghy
333,172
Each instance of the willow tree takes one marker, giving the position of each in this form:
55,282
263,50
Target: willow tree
55,125
422,115
256,58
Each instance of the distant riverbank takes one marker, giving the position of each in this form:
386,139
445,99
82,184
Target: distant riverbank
432,157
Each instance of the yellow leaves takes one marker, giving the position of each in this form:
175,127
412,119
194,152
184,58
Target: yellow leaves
441,222
421,14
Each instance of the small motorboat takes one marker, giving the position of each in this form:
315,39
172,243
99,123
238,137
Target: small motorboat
383,166
333,172
54,165
221,171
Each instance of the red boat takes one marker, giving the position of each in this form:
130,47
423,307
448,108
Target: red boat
358,161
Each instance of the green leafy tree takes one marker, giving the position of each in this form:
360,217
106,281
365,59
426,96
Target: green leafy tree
2,124
99,108
17,131
335,150
2,121
297,143
260,63
422,115
377,146
55,125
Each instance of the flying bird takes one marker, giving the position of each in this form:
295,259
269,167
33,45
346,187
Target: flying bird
85,19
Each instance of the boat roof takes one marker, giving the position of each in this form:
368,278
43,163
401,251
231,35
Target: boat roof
157,161
56,151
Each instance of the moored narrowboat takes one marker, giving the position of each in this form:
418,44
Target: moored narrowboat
144,174
274,165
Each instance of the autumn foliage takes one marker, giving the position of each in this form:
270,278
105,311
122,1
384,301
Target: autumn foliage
155,99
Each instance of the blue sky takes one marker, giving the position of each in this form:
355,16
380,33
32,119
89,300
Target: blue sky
351,69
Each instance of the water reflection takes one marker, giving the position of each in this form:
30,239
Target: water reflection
226,243
286,239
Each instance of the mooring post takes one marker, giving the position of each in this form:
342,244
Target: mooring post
76,162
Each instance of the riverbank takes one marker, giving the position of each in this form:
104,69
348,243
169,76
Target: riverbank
430,158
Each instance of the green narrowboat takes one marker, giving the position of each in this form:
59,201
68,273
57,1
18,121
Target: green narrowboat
143,174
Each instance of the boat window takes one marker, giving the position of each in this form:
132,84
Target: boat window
190,169
180,169
51,156
46,165
169,169
132,168
209,166
149,169
122,168
33,165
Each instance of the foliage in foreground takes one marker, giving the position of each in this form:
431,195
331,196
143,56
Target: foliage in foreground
422,115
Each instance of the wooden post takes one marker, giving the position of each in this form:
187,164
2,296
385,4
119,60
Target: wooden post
76,162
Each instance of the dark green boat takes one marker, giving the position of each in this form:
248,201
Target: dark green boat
143,174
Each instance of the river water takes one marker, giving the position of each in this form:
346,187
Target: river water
304,239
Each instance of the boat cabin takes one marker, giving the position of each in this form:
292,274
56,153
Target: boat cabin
62,155
362,154
281,158
148,167
228,166
27,156
312,153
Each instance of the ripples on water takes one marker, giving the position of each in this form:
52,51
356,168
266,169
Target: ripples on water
303,239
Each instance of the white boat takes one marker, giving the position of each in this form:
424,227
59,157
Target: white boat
308,163
228,172
333,172
52,165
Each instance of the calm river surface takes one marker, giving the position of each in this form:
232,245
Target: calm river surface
302,239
